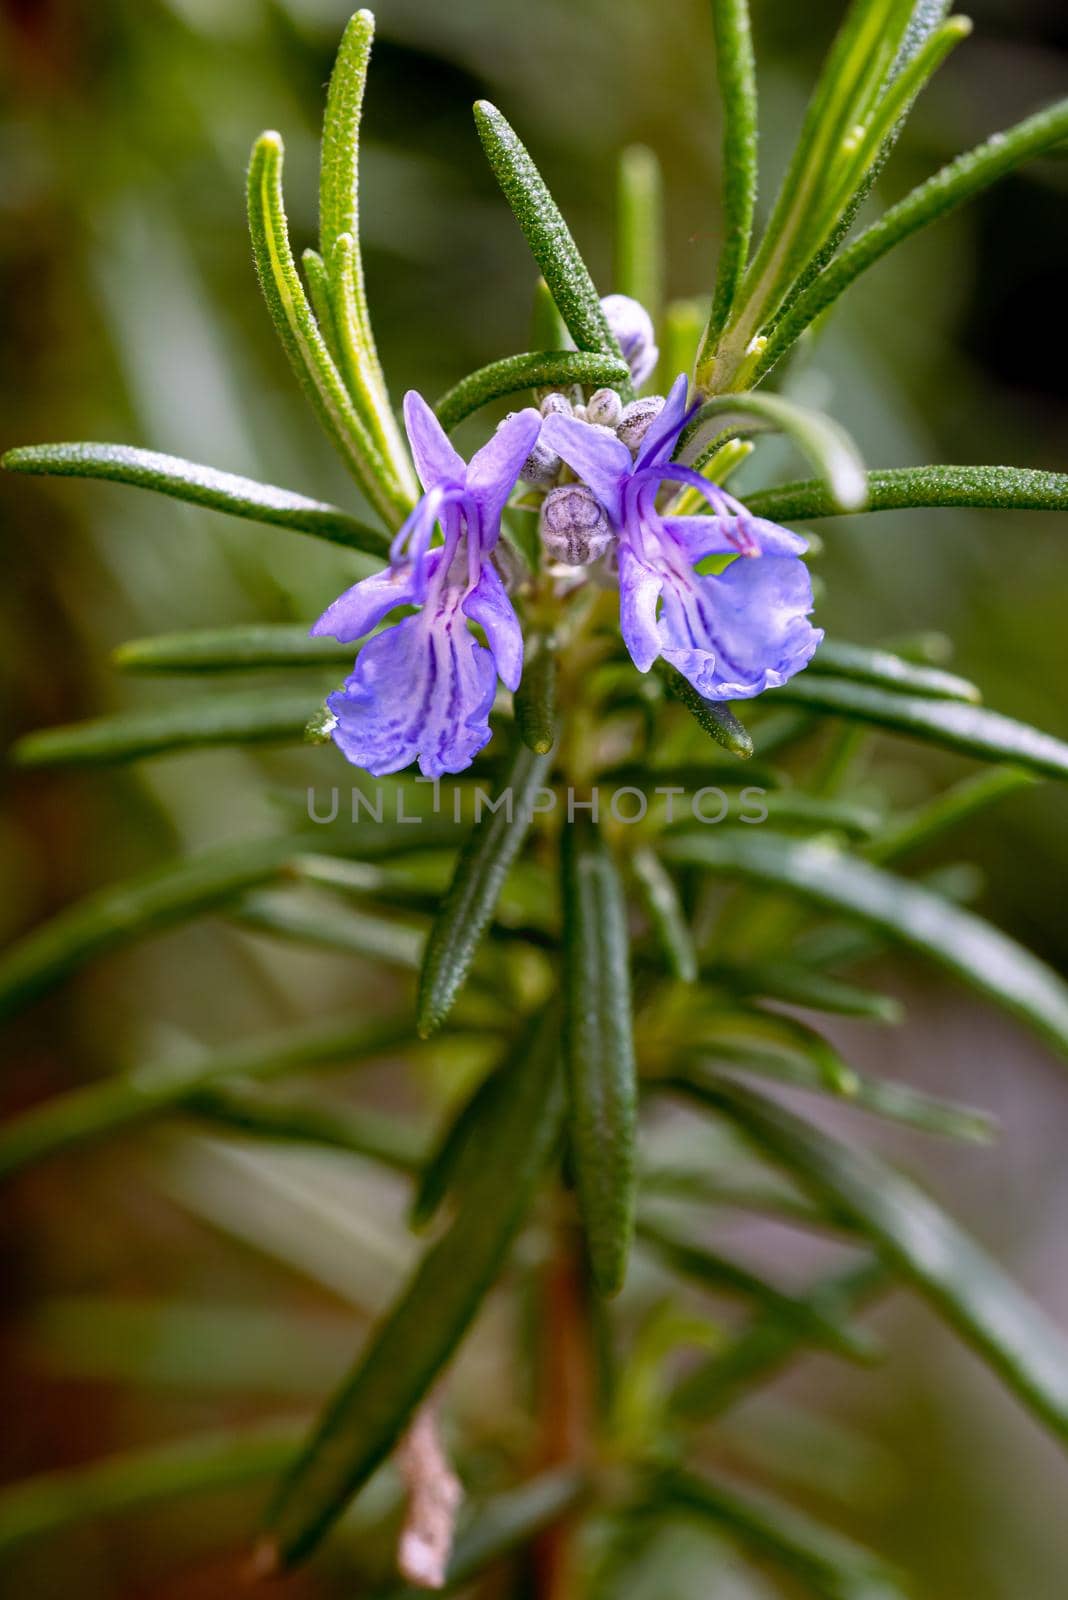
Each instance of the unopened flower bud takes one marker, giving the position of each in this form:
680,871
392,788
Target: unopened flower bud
541,468
634,333
574,527
604,406
555,403
637,419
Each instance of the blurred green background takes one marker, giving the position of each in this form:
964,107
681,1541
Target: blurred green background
131,313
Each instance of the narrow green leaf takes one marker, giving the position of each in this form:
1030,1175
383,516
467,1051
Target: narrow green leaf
178,891
881,1097
100,1110
452,1155
713,716
837,944
301,339
786,806
190,1346
360,365
963,1283
639,253
691,776
236,649
318,280
946,811
826,444
547,234
253,716
684,321
357,933
660,898
801,985
203,486
339,165
736,73
885,669
902,488
481,869
948,188
905,913
722,1274
537,369
297,1117
599,1050
858,158
927,17
766,1197
764,1348
765,1039
534,701
968,728
203,1464
804,216
339,241
419,1335
827,1564
339,238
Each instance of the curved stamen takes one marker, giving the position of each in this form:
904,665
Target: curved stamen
730,513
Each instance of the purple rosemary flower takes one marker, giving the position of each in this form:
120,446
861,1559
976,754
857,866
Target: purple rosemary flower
423,688
733,634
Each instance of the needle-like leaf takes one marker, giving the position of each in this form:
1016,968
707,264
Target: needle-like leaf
963,1283
547,234
639,253
100,1110
900,488
827,445
477,882
599,1050
236,649
301,339
419,1335
202,486
903,912
537,369
251,717
968,728
736,74
947,189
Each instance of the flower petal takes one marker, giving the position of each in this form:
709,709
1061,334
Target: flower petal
435,459
639,594
362,607
492,471
776,541
701,536
711,535
600,459
488,605
664,429
747,630
421,690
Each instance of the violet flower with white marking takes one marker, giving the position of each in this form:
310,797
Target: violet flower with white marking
423,688
732,634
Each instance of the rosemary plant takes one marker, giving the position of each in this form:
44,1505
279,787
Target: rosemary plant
583,673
